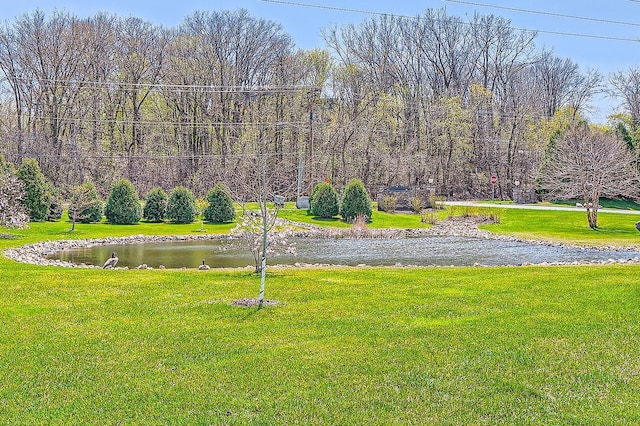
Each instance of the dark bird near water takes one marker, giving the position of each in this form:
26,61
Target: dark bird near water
111,262
204,266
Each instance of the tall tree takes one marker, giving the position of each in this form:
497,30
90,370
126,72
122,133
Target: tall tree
140,58
37,198
626,86
588,164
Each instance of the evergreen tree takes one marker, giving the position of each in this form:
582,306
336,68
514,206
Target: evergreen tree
220,208
37,198
181,207
123,204
355,201
324,201
155,206
55,203
85,206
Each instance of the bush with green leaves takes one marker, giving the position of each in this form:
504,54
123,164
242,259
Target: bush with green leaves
355,201
324,201
37,199
123,205
55,203
85,205
181,207
220,208
388,204
155,206
417,205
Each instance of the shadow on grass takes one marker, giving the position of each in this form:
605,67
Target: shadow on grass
253,307
327,219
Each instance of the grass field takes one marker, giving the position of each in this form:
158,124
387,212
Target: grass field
568,226
529,345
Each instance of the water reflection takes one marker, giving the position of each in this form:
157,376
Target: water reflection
422,251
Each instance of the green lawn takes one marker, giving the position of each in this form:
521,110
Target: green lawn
608,204
568,226
529,345
379,219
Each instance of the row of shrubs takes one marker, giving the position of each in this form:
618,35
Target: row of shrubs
123,205
355,201
44,202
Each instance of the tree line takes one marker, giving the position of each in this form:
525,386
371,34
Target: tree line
437,100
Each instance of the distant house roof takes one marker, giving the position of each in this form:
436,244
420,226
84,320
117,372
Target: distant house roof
397,188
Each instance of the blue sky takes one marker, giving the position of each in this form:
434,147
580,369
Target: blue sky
305,23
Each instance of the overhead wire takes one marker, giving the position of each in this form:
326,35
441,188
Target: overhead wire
551,32
179,88
339,9
161,156
130,122
539,12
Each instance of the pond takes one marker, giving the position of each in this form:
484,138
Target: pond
422,251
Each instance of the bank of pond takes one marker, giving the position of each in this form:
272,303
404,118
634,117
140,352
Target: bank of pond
418,251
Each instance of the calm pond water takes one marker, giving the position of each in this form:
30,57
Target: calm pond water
423,251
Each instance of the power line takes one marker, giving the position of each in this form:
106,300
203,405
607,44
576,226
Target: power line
340,9
538,12
561,33
432,109
79,157
129,122
173,87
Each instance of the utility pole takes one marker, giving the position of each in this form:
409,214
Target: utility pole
312,99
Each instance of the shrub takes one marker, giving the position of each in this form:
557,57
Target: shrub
37,199
55,203
155,206
123,204
181,207
355,201
324,201
452,211
388,204
417,205
469,211
437,202
220,208
494,216
85,206
429,217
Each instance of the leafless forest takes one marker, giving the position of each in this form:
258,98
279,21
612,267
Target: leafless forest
437,100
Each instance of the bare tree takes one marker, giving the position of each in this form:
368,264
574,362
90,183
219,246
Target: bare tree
259,228
560,83
140,59
588,164
626,86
